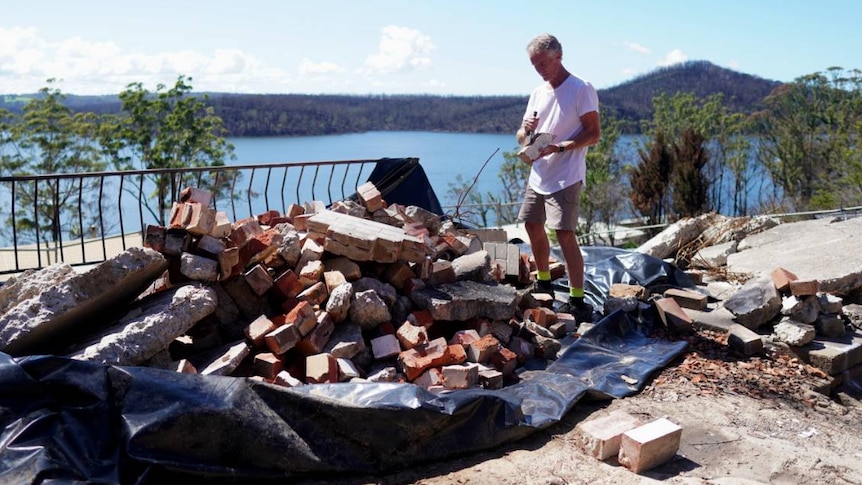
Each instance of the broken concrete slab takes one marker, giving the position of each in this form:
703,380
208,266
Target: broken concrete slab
78,305
31,283
825,250
668,242
756,303
151,326
464,300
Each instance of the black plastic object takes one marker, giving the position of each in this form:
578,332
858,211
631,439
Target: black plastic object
70,421
403,180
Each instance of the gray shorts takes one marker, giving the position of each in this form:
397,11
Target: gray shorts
559,211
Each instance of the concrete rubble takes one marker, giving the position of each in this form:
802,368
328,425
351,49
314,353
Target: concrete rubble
792,286
364,290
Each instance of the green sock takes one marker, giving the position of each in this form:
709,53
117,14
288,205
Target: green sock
576,292
543,275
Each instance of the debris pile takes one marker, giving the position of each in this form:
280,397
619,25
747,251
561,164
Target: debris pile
361,290
766,334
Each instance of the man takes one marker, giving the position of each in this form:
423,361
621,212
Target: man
567,107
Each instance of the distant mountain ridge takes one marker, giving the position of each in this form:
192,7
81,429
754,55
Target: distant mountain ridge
308,115
632,100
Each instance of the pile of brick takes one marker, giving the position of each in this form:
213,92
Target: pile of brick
361,290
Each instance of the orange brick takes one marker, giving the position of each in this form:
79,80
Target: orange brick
782,278
267,365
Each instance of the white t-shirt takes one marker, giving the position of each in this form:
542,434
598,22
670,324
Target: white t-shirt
559,111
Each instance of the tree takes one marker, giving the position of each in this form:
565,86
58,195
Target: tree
49,138
601,198
166,129
810,137
650,180
689,156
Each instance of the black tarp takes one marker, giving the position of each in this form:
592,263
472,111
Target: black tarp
403,180
79,422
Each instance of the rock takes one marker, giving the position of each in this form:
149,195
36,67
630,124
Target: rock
755,303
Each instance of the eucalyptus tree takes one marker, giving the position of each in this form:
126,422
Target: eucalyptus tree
167,129
47,139
602,198
684,119
810,135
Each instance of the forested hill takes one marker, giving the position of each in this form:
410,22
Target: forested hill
299,115
632,100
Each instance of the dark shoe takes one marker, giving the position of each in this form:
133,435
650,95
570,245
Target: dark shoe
582,312
539,286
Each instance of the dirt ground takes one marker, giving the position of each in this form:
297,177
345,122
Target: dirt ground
745,421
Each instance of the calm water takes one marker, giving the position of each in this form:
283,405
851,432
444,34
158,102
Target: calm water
443,156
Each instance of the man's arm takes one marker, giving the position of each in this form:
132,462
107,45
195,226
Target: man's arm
527,127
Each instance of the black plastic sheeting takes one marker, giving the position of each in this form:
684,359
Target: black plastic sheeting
403,180
78,422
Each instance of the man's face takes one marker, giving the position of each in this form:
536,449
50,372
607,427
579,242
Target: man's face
546,63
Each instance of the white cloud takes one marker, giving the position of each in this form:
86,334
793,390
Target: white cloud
81,66
230,61
733,64
634,46
307,67
401,49
673,57
17,39
27,61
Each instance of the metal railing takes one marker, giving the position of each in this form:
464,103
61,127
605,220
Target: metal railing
86,218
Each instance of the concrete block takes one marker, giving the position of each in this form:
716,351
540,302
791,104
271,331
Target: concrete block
601,437
462,376
650,445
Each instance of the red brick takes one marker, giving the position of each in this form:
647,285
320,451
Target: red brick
483,349
782,278
410,335
804,287
505,361
315,340
435,353
673,316
282,338
267,365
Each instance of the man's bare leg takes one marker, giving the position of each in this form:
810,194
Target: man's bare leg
539,244
574,259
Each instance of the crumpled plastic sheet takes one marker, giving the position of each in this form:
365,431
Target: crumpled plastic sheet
65,421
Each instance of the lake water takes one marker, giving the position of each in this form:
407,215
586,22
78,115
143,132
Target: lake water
443,156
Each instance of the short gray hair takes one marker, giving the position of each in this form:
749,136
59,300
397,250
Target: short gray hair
544,42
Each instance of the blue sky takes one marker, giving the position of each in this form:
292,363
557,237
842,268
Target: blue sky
445,47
